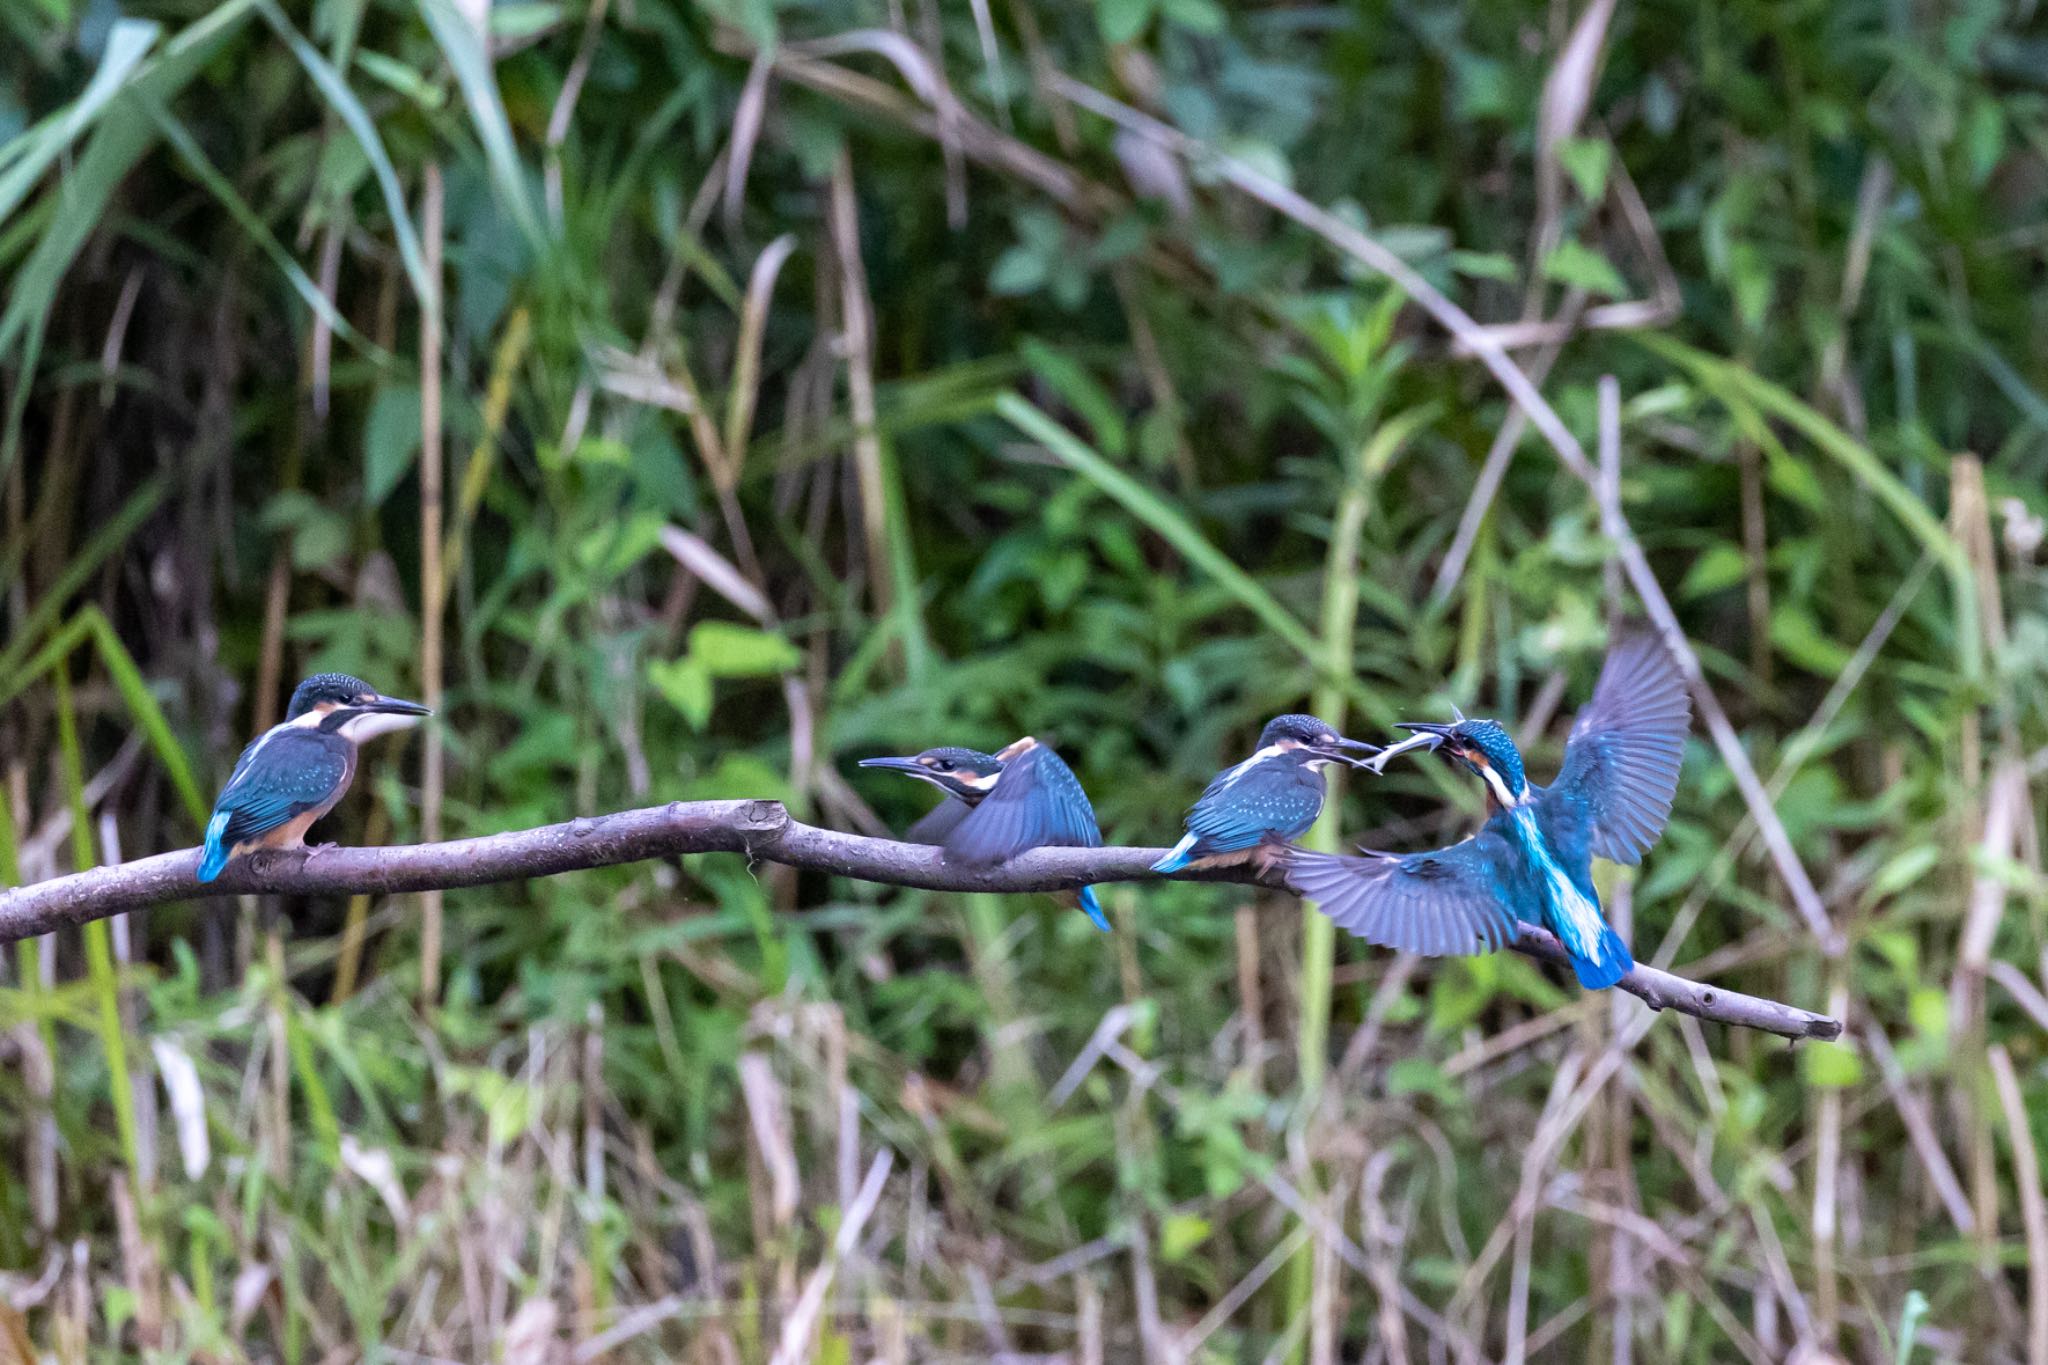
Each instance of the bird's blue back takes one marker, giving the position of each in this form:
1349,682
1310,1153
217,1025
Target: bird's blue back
1273,797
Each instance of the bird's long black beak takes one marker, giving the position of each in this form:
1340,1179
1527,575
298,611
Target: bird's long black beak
1335,749
398,706
1426,736
896,765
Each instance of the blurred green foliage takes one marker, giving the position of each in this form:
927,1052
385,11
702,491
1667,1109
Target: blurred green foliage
977,418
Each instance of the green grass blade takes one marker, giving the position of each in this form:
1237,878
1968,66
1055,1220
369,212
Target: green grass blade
1726,380
1168,521
195,159
113,536
335,91
142,705
463,46
99,949
128,43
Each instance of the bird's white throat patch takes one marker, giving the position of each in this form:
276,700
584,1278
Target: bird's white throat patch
1499,787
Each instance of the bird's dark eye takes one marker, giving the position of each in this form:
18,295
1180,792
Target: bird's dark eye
943,765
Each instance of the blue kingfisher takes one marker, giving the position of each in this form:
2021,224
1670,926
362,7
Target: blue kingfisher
294,772
1534,855
999,805
1250,810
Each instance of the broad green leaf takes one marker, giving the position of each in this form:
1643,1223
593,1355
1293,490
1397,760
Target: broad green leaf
1722,566
1575,263
391,441
725,650
1121,21
685,685
1830,1066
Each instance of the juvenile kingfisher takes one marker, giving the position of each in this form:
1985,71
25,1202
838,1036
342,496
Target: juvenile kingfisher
1533,858
294,772
1247,812
999,805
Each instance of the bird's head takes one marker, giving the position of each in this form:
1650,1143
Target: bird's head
965,773
348,706
1314,742
1483,746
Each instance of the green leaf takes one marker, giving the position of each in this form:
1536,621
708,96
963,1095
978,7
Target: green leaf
401,78
726,650
1799,638
1904,869
1585,160
1181,1233
1484,265
1122,20
685,685
1017,271
1722,566
391,440
1575,263
1830,1066
1196,16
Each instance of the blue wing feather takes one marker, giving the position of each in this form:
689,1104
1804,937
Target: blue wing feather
938,822
1036,803
1276,797
282,776
1622,761
1451,902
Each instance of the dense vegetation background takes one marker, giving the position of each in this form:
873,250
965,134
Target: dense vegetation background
693,398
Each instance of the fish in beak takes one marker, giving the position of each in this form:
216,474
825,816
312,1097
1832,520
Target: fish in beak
1426,736
1336,751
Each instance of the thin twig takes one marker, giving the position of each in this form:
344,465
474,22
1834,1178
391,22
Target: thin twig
764,831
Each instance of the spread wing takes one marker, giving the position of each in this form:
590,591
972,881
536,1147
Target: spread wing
938,822
1621,763
1447,903
1276,798
1036,803
285,774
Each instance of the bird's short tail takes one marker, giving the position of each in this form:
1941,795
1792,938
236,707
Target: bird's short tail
1609,963
216,857
1093,908
1177,858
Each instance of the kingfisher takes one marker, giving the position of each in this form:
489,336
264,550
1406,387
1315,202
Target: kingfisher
294,772
998,805
1533,858
1249,811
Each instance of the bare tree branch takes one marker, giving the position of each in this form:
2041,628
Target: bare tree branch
761,830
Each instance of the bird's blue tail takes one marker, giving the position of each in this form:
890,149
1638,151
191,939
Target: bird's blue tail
1093,908
1610,962
216,857
1176,859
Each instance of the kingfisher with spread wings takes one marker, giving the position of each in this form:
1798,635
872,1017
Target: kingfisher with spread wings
999,805
1533,858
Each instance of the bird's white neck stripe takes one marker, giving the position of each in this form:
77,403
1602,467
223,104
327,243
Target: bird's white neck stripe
1499,786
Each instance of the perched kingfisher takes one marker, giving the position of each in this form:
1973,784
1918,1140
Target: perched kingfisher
1533,858
999,805
294,772
1247,812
